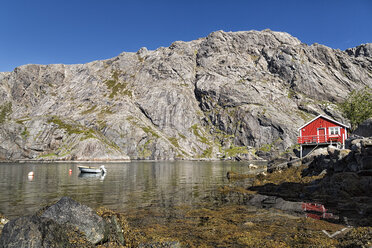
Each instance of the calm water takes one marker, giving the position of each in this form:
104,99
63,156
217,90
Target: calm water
125,186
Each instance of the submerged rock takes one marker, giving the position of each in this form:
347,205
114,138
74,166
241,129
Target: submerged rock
264,201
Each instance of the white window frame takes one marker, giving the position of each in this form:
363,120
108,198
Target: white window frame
333,131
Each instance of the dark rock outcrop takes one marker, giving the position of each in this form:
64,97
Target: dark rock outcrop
68,211
364,129
228,95
36,232
357,159
64,224
345,185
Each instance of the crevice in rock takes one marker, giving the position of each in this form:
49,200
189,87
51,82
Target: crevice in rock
144,112
178,74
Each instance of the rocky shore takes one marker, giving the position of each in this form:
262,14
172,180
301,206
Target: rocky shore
339,179
325,202
70,224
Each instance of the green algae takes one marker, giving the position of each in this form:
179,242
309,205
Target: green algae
230,226
292,175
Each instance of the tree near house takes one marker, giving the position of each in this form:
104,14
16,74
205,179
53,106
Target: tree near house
357,107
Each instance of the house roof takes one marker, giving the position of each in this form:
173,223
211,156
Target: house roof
325,117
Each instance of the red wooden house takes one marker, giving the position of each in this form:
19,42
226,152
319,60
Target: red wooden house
322,131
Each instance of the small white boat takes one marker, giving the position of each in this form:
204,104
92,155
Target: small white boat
90,169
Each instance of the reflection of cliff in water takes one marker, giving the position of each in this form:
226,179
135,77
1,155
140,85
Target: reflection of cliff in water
126,185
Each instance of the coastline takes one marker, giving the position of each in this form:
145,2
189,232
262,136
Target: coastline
125,161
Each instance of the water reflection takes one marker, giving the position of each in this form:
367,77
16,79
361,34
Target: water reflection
99,176
125,186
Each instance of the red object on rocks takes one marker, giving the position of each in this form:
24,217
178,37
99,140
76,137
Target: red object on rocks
314,207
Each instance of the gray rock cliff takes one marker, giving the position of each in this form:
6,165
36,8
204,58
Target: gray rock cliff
229,94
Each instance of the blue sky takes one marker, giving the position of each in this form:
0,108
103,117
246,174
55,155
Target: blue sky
80,31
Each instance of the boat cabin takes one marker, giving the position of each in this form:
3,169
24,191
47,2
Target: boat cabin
322,131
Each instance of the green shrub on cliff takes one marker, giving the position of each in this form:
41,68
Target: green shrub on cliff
357,107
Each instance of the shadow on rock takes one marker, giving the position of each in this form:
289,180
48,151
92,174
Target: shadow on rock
341,179
346,194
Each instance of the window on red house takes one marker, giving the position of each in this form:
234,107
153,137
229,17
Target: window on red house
334,131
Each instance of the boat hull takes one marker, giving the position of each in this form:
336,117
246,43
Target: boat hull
90,170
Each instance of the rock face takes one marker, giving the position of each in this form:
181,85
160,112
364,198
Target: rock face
226,95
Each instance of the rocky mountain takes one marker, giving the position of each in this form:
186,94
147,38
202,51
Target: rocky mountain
229,94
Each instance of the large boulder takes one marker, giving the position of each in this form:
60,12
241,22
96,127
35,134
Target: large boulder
316,153
68,211
336,153
67,223
35,232
358,159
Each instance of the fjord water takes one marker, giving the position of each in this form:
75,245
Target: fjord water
125,186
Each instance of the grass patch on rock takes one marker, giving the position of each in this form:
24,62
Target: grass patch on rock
25,133
174,142
86,133
5,111
151,131
90,110
235,150
196,131
116,87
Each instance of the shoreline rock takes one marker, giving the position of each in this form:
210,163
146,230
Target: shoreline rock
68,223
343,181
68,211
55,226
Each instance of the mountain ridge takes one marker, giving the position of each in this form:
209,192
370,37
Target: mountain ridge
230,94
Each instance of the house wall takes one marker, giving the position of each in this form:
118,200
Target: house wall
311,129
